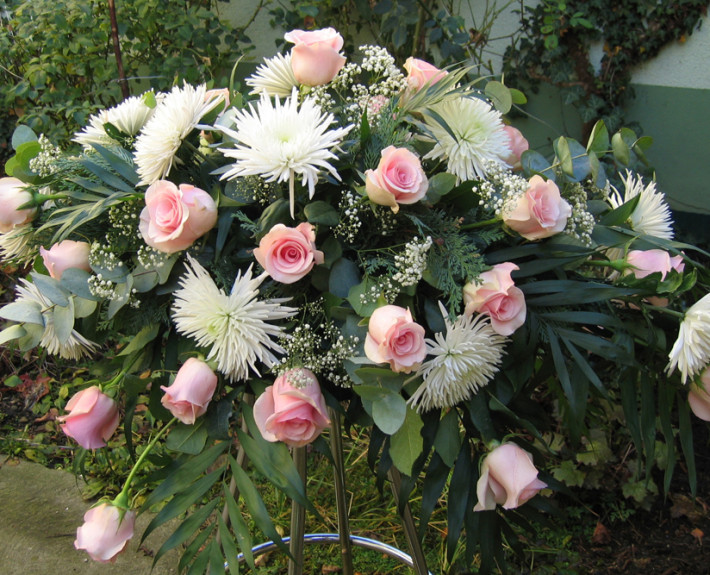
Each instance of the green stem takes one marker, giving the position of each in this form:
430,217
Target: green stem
482,224
665,310
123,496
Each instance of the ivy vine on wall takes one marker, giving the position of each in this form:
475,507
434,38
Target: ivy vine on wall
555,42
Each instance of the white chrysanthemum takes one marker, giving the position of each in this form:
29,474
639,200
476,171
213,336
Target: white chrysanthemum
652,216
236,326
691,351
474,137
173,119
465,359
74,347
274,76
129,117
278,141
16,245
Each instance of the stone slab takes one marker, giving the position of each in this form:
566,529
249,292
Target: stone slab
40,510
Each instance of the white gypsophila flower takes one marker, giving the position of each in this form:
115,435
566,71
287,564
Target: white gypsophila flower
465,359
179,112
652,216
474,137
236,327
129,117
691,351
274,76
278,141
73,347
16,245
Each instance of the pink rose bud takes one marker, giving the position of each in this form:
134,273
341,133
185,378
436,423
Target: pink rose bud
508,478
517,144
315,58
398,179
13,195
421,72
646,262
699,396
289,254
173,218
190,393
495,294
92,419
393,337
64,255
292,410
540,212
105,533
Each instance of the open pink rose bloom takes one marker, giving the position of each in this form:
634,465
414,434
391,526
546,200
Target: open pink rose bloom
395,338
289,254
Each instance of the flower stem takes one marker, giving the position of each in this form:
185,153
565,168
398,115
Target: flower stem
123,496
477,225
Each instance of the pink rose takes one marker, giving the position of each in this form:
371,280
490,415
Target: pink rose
399,179
191,391
497,296
540,212
288,254
393,337
646,262
13,195
64,255
173,218
421,72
699,396
292,410
315,58
92,419
517,144
105,532
508,478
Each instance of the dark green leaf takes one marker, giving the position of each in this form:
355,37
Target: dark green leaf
187,438
458,498
685,432
407,443
448,439
320,212
187,528
141,339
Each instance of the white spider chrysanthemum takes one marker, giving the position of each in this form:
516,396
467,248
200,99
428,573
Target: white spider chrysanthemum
465,359
16,246
475,136
691,351
274,76
652,216
174,118
129,117
236,326
75,346
278,141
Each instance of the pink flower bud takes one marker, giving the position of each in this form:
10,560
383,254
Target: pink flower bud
191,391
292,410
64,255
508,478
13,195
699,396
398,179
315,58
92,419
394,337
646,262
421,72
495,294
105,533
517,144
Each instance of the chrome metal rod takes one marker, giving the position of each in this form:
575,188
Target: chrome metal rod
334,538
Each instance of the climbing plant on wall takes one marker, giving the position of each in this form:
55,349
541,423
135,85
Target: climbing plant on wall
555,46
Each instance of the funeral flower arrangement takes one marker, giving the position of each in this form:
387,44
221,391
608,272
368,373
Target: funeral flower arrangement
357,241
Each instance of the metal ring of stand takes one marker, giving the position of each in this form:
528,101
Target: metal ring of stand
327,538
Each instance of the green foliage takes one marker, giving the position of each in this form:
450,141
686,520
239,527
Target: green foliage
59,67
557,36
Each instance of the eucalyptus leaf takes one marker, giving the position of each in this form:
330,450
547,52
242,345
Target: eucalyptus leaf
621,150
564,156
63,320
407,443
320,212
500,95
344,275
51,289
13,332
77,282
23,312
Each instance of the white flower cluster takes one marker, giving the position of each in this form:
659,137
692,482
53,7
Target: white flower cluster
581,223
382,287
350,223
44,163
501,188
151,258
412,263
322,351
123,220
